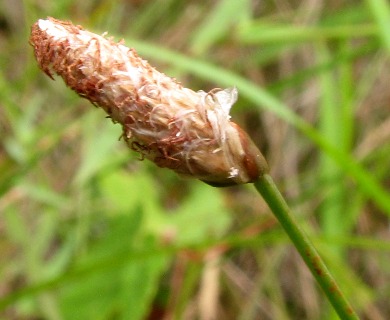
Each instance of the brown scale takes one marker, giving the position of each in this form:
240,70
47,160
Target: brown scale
165,142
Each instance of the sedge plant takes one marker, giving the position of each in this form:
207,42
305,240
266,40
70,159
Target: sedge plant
177,128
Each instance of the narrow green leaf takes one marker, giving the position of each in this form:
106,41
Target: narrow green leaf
381,12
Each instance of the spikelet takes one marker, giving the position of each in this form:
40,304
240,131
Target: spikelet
175,127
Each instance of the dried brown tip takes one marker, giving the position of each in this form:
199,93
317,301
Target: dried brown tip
177,128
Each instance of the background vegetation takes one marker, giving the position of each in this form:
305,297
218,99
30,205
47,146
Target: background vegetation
89,232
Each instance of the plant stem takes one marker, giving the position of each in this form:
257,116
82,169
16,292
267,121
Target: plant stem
267,188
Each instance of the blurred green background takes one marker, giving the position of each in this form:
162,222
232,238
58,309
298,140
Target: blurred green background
87,231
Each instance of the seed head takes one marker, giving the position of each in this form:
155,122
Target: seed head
175,127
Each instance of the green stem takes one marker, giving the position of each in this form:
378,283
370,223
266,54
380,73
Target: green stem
267,188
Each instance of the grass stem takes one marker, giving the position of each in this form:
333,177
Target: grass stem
267,188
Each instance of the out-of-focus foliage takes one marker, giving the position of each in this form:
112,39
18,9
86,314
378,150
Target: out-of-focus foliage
87,231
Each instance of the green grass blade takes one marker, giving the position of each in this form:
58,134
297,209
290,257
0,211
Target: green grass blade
218,24
381,12
261,33
331,128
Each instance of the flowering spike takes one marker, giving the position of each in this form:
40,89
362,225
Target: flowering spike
177,128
